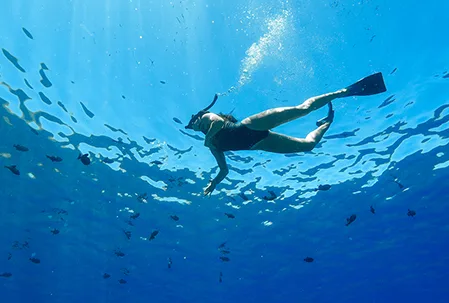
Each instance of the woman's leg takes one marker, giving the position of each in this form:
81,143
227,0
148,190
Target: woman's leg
282,144
274,117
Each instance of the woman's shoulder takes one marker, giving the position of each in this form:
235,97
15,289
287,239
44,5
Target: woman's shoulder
212,117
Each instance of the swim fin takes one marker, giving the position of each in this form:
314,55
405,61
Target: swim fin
371,85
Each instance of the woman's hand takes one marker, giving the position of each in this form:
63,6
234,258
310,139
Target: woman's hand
210,188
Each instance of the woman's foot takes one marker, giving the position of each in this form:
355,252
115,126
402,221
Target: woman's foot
329,118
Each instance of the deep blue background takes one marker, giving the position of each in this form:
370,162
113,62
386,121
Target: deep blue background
112,57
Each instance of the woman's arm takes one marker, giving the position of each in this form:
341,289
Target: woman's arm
221,161
216,124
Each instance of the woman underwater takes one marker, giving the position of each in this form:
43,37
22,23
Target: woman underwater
225,133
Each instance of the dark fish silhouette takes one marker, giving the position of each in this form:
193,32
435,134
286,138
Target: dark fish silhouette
411,213
222,245
142,198
135,216
394,70
13,169
107,160
84,159
106,276
6,274
127,234
35,260
225,259
399,184
308,259
29,35
20,147
350,219
272,196
169,263
220,277
174,217
323,187
153,235
122,281
119,253
157,162
55,231
9,256
54,158
372,210
177,120
225,251
163,82
243,196
231,216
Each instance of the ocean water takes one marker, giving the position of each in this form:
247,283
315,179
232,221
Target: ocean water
118,80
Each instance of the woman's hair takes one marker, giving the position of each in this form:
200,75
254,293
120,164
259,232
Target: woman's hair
228,117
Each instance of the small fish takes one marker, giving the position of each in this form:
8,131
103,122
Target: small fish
54,158
119,253
157,162
163,82
169,263
174,217
395,69
84,159
135,216
399,184
107,160
122,281
55,231
13,169
323,187
6,274
372,38
35,260
231,216
350,219
177,120
125,271
225,251
372,210
272,196
220,277
222,245
123,97
20,147
29,35
308,259
142,198
127,234
225,259
9,256
411,213
106,276
243,196
153,235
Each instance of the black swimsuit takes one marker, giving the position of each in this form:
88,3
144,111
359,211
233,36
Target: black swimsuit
236,136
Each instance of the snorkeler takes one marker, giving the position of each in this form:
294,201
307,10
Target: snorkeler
225,133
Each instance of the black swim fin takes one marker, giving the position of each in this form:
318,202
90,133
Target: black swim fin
371,85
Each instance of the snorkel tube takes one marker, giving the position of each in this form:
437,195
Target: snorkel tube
200,113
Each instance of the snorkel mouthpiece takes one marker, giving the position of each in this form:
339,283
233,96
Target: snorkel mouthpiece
200,113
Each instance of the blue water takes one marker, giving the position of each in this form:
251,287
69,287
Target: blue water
107,78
